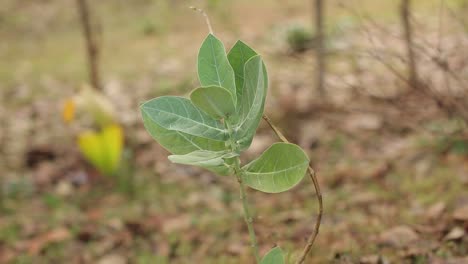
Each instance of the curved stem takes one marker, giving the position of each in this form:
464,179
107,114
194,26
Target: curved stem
313,176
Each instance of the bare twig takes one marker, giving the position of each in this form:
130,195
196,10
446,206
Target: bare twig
320,51
439,31
91,44
408,31
207,19
313,176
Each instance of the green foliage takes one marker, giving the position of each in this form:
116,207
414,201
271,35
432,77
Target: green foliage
299,39
214,67
274,256
220,120
214,100
275,172
211,160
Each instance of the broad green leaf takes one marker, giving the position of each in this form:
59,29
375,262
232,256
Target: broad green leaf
274,256
178,142
252,102
238,56
179,114
214,67
278,169
211,160
213,100
102,149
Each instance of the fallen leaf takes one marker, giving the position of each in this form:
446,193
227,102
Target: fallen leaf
364,198
399,236
436,210
461,214
46,172
177,224
112,259
455,234
373,259
365,121
457,260
37,244
64,188
420,248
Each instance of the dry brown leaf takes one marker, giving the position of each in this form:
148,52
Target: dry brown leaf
399,236
455,234
112,259
57,235
177,224
459,260
373,259
461,214
436,210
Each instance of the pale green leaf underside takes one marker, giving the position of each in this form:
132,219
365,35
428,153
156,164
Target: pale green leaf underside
252,102
278,169
214,100
178,142
274,256
206,159
179,114
239,54
214,67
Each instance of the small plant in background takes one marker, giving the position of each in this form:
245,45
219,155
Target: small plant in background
102,144
299,38
218,122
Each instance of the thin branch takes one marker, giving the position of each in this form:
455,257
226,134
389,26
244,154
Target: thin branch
313,176
408,31
92,46
440,29
320,48
207,19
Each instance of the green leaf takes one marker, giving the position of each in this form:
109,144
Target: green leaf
214,67
252,102
179,114
213,100
278,169
206,159
238,56
178,142
274,256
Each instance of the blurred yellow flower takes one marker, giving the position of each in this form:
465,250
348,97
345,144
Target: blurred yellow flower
68,113
103,149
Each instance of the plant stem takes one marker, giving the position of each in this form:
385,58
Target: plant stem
313,176
247,216
243,195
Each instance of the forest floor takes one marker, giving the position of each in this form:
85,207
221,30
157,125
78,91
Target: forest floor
393,165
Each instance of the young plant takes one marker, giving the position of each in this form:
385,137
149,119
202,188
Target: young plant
102,142
218,122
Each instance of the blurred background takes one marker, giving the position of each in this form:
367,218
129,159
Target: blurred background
374,91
